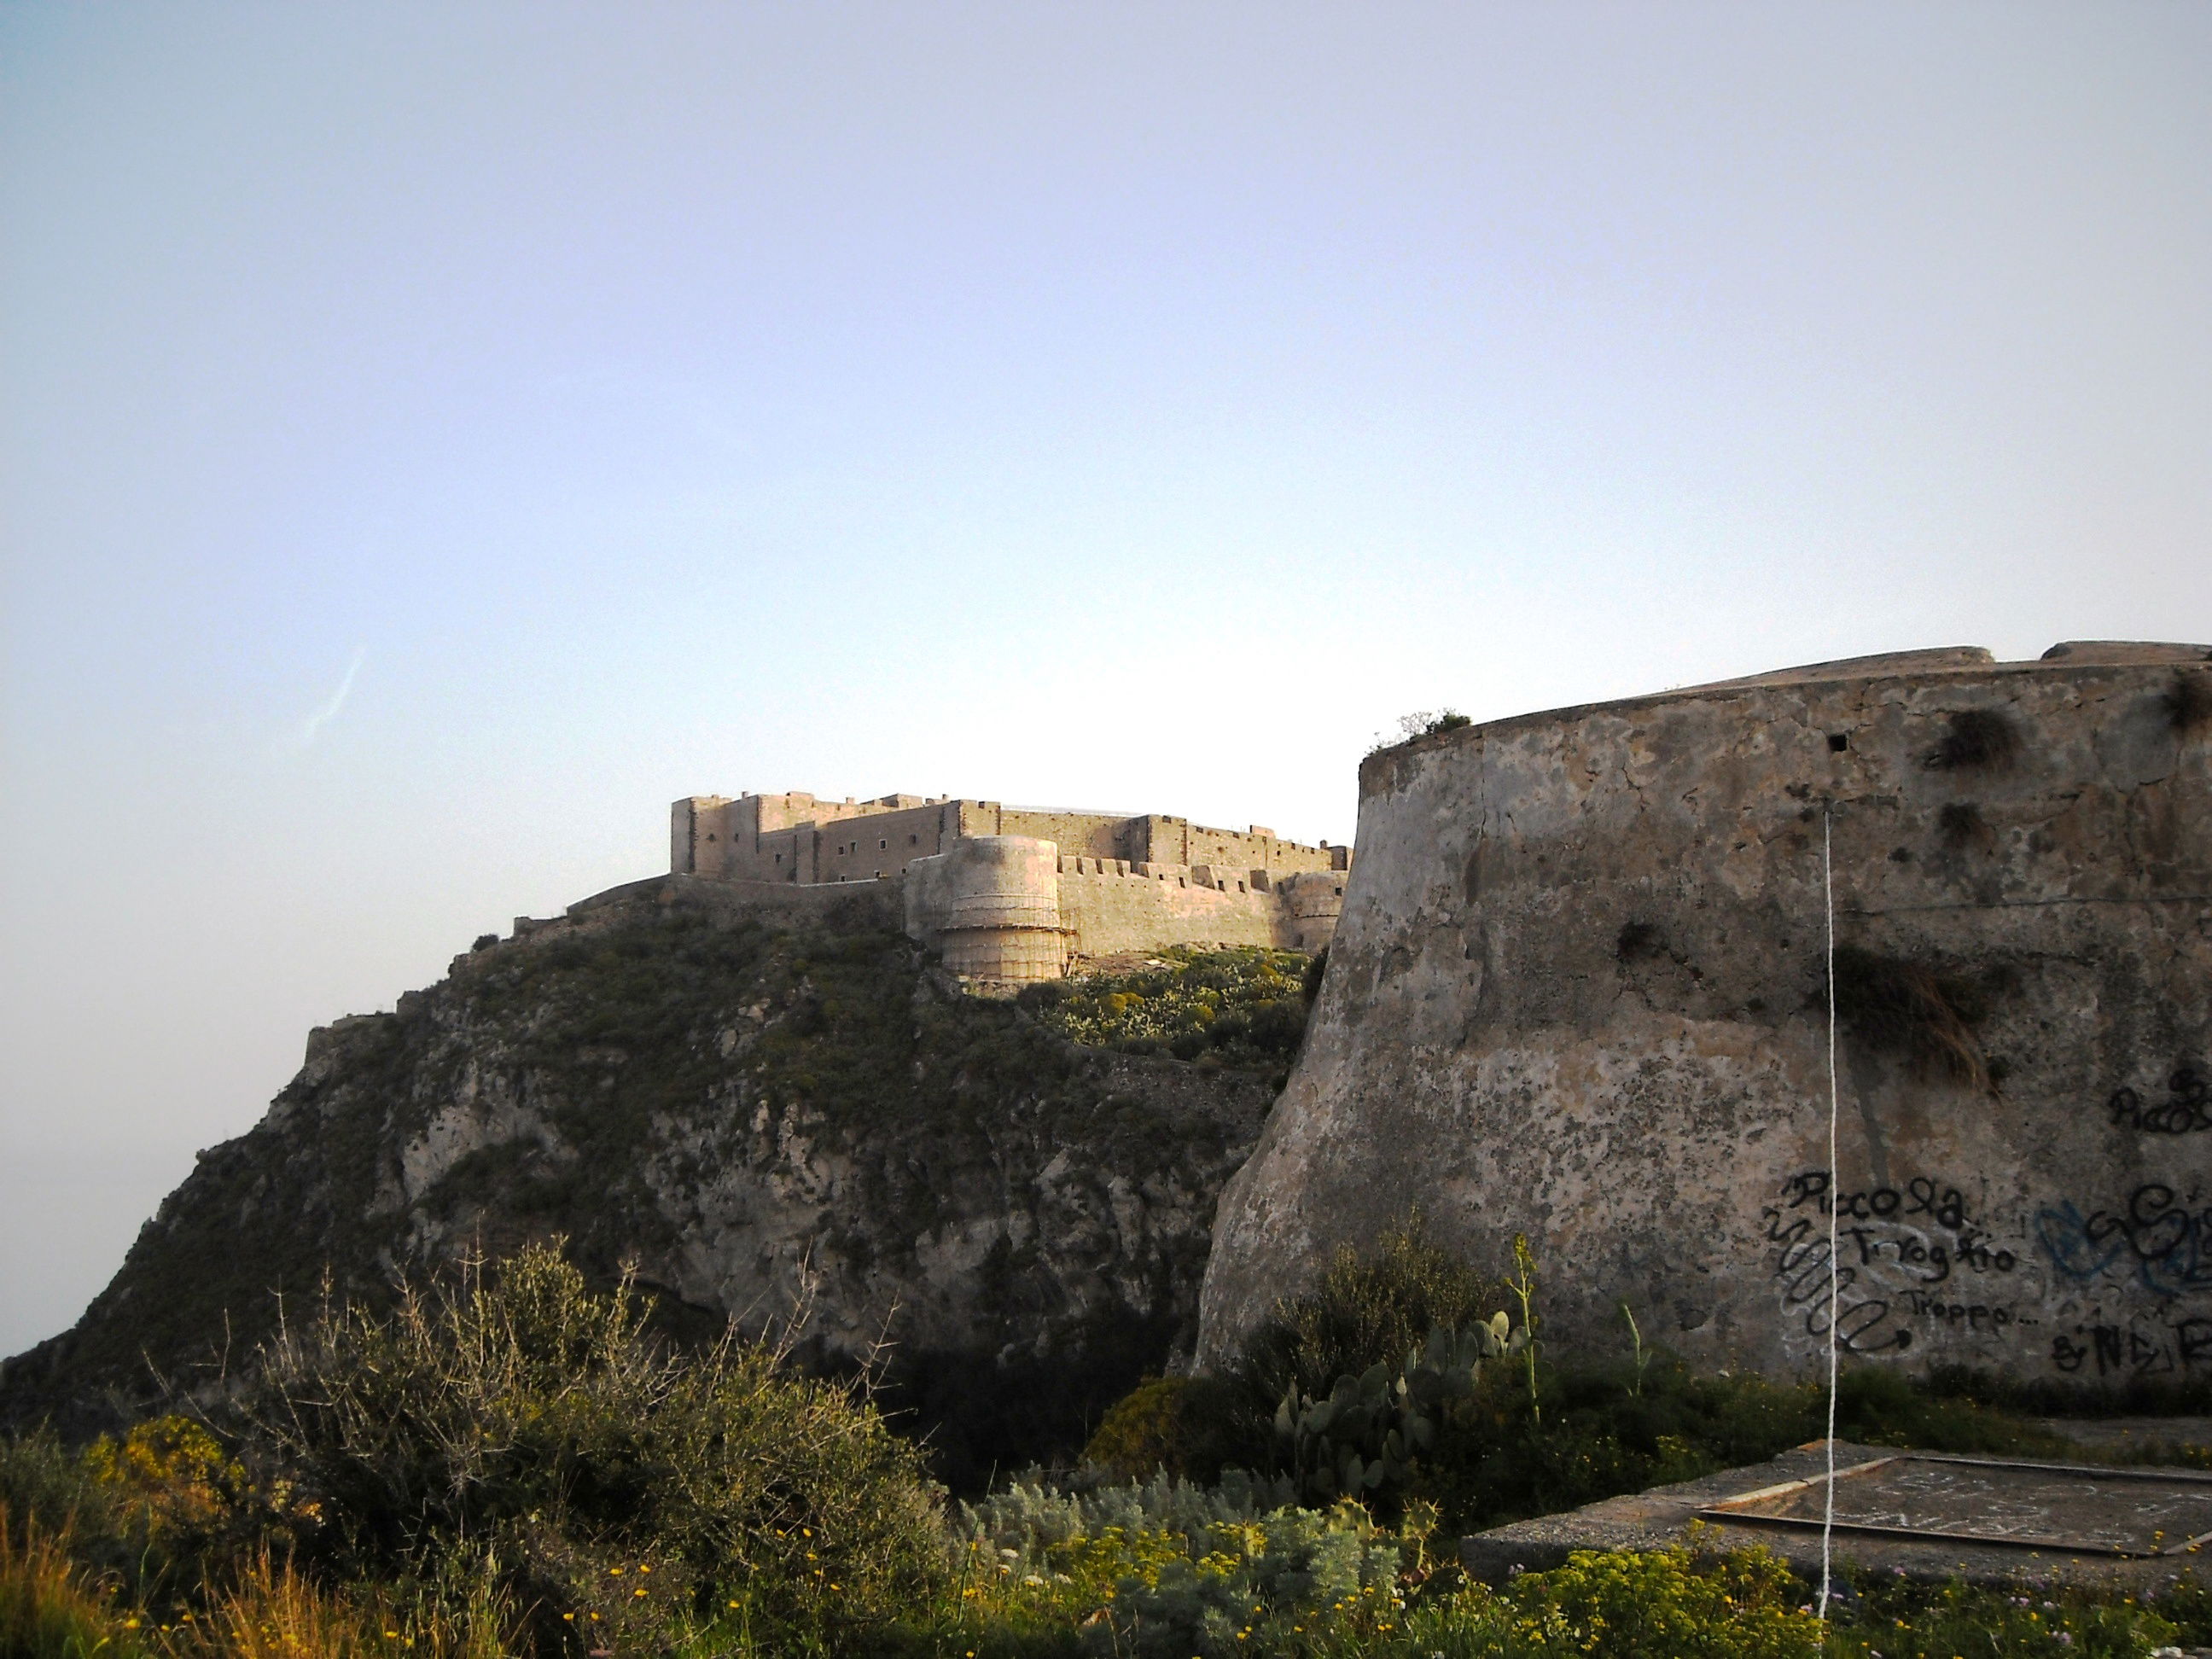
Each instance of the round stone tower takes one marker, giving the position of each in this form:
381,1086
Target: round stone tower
1580,992
991,904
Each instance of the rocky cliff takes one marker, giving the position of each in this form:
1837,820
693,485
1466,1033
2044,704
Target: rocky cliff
757,1108
1579,991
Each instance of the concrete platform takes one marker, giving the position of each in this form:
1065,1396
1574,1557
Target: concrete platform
2131,1439
1920,1515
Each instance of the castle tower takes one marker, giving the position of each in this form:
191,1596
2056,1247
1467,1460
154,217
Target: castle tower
991,904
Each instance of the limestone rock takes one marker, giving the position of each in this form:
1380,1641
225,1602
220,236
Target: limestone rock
759,1109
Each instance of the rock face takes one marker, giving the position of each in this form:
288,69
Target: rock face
754,1104
1579,991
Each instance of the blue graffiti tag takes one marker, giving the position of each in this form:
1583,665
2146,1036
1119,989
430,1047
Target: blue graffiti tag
2167,1245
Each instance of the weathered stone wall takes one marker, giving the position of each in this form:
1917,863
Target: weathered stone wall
991,905
797,838
1157,838
1117,906
1313,902
1093,835
1578,992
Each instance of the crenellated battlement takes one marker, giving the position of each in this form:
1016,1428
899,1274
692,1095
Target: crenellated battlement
1118,882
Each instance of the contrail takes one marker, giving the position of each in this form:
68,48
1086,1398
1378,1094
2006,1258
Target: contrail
323,716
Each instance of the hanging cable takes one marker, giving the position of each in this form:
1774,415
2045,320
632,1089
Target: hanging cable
1828,1507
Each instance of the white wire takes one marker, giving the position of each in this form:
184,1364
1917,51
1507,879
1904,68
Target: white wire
1828,1508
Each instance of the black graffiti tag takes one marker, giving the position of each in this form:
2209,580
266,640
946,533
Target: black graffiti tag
1802,1267
1945,1205
2186,1110
2117,1350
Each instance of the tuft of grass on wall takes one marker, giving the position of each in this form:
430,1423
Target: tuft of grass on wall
2189,702
1915,1011
1976,739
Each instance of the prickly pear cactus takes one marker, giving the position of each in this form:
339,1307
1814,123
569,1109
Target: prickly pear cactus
1361,1435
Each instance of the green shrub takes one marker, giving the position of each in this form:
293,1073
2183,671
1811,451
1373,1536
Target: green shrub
516,1417
1564,1431
1365,1309
46,1486
1245,1006
1623,1605
1170,1424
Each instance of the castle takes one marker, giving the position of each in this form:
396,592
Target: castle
1581,996
1011,894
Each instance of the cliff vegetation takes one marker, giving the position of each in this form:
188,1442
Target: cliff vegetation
505,1462
781,1120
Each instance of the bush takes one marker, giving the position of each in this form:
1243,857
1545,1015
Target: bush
1622,1606
1542,1431
1245,1007
46,1489
520,1420
1166,1423
1365,1310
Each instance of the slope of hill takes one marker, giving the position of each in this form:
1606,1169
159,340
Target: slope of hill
760,1115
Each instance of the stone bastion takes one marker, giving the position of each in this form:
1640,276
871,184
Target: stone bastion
1578,992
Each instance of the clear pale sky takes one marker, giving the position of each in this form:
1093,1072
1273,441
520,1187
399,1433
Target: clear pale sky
438,436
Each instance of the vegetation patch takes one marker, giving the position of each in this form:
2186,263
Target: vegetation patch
506,1463
1245,1007
1525,1430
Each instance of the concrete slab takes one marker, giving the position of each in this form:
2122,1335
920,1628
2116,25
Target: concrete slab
1993,1520
2132,1439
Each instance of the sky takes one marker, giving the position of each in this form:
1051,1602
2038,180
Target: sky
434,437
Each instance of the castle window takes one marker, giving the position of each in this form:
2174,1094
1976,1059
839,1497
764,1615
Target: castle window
880,846
1838,742
913,840
778,858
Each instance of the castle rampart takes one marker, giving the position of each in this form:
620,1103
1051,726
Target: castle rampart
1579,993
1117,882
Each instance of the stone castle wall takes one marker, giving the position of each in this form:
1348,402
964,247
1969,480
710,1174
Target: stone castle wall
1118,884
1116,907
1578,992
798,838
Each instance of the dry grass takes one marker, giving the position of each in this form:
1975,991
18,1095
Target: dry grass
1975,738
51,1606
1907,1008
2189,703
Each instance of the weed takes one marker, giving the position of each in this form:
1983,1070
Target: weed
2189,702
1975,739
1909,1008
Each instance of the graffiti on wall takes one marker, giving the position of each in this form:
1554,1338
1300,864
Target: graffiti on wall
2186,1110
2139,1348
2158,1238
1906,1258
